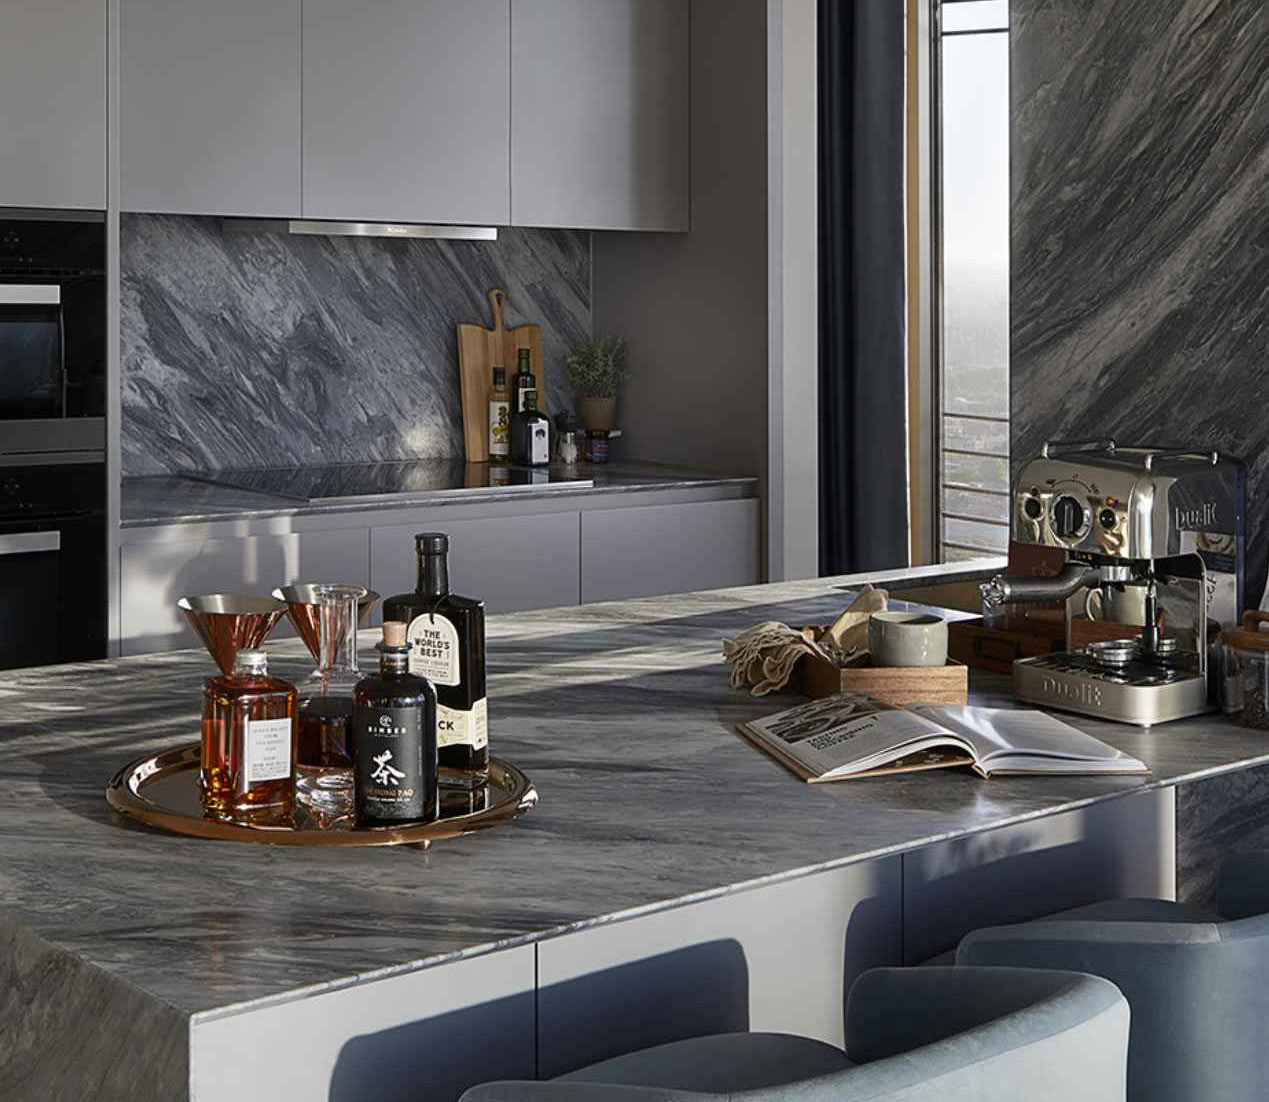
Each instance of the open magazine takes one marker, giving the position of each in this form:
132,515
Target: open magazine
851,735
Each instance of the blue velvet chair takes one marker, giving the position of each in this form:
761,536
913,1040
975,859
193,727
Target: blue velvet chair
913,1035
1197,981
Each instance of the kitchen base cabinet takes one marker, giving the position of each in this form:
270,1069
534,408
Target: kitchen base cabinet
154,576
426,1035
669,549
510,563
771,958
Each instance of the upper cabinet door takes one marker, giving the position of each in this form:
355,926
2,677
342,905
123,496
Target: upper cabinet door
600,113
405,110
53,104
210,107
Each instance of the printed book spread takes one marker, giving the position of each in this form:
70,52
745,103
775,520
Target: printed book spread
851,735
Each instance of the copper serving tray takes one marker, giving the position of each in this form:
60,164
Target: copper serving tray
161,790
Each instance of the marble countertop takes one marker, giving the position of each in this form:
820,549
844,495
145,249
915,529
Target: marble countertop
171,499
622,715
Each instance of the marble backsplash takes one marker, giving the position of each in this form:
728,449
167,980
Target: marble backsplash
1140,267
262,350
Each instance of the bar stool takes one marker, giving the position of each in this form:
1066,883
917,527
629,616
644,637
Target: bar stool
1197,981
913,1035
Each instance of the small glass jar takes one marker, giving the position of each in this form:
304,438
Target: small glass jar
1244,673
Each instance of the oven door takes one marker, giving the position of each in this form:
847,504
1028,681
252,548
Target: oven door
32,364
31,613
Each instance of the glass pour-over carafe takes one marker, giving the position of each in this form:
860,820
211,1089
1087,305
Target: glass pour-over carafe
324,777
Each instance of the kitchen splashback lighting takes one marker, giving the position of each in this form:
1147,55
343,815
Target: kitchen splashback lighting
303,227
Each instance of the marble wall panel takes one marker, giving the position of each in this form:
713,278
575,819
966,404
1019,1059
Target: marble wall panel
1140,163
262,350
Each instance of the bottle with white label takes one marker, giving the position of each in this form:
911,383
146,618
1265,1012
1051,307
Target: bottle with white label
531,434
250,729
500,418
446,636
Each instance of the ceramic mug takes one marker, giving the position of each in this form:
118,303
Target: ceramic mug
907,639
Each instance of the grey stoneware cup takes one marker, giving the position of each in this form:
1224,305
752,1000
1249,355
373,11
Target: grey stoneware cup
907,639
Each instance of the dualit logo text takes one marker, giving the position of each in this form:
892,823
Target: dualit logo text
1197,518
1077,692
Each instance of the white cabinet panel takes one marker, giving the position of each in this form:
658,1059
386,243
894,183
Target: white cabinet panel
422,1037
669,549
600,113
1117,850
210,107
53,103
154,576
510,563
776,958
406,110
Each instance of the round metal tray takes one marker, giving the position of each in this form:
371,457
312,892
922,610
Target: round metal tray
162,791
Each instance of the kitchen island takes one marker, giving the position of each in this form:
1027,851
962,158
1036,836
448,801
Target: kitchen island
673,880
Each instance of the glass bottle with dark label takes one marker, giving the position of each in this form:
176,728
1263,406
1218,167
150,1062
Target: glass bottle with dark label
394,739
247,771
531,434
446,635
524,380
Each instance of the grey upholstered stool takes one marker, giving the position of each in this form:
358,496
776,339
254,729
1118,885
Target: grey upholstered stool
914,1035
1197,982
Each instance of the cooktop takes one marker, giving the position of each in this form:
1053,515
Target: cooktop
355,482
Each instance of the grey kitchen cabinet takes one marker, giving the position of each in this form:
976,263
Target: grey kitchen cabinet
209,121
154,576
669,549
511,563
53,104
601,114
406,110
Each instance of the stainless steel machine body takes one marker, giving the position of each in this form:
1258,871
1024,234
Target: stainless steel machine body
1171,522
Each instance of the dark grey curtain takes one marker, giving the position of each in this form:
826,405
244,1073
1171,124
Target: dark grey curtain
863,386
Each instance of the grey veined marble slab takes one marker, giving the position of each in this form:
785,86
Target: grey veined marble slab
622,715
259,350
1140,277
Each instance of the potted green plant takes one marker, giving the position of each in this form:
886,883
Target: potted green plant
597,371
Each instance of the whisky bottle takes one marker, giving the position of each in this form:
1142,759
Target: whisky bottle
524,381
531,434
446,635
394,739
500,418
249,740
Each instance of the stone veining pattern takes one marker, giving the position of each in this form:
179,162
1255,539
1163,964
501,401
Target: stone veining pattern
622,715
262,350
1140,299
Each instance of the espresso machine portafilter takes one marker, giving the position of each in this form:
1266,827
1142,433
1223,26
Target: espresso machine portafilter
1159,530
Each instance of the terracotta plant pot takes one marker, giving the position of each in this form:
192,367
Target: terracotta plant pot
598,414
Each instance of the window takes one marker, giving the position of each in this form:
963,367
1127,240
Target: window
971,120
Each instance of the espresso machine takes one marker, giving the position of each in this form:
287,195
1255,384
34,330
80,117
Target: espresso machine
1153,529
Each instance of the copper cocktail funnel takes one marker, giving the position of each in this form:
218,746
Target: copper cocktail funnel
228,624
305,611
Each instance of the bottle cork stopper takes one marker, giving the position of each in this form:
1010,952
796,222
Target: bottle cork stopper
393,633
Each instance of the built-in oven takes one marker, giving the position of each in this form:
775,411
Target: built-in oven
53,540
53,588
52,334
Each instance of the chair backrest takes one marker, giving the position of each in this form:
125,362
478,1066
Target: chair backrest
1199,993
975,1035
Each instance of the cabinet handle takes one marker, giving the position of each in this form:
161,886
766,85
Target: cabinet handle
27,543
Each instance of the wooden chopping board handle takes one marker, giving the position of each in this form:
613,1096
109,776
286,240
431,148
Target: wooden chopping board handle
498,299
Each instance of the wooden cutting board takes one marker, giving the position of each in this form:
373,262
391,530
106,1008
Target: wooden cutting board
480,350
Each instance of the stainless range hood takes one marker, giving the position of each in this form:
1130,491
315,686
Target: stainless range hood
311,228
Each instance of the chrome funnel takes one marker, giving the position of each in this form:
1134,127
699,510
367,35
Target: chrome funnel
305,610
227,623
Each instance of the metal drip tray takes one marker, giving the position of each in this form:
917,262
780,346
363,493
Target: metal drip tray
1140,692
